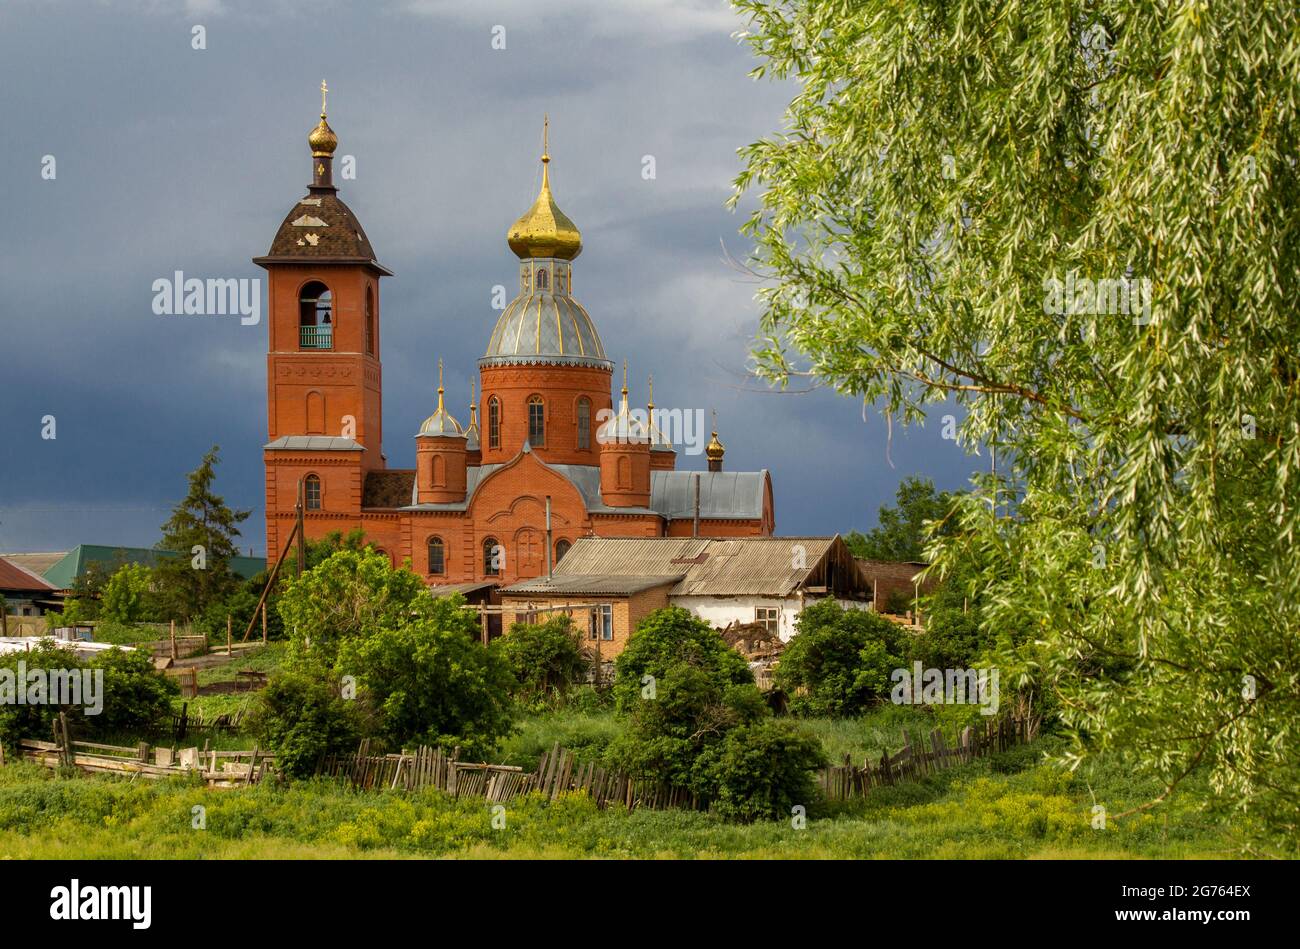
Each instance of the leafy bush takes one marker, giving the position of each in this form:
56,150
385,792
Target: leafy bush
135,697
840,660
545,658
668,637
126,597
302,719
351,594
761,771
951,640
431,681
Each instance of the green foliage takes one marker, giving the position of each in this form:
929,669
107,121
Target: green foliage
546,659
762,771
952,640
1148,496
667,637
137,698
352,593
839,661
126,597
134,698
201,519
692,709
303,719
432,681
903,531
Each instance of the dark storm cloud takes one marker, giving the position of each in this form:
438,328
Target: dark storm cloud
171,158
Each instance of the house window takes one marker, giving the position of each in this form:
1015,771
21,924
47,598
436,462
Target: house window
494,422
437,562
561,548
311,491
536,421
315,317
602,622
584,423
493,555
769,617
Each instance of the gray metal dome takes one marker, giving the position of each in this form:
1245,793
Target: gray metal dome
545,327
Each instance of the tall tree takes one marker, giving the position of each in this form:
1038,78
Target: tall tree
901,532
202,532
1080,222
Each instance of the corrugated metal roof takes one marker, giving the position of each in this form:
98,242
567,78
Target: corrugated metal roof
15,577
446,589
754,565
590,584
763,566
36,563
312,443
64,573
631,556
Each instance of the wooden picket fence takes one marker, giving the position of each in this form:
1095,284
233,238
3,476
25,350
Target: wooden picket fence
841,782
558,772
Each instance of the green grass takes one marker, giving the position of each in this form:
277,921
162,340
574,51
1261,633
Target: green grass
976,811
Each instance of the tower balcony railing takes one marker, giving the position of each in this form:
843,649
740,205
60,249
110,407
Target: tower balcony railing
316,337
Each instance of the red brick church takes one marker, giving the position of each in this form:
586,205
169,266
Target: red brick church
475,506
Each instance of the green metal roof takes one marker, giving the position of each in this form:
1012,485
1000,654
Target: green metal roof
64,573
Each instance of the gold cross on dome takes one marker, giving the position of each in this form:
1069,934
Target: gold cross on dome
323,89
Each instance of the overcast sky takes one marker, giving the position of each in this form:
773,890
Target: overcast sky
170,158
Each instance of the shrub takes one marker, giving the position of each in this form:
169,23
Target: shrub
951,640
839,661
431,681
135,697
544,658
126,598
302,719
351,594
691,710
668,637
761,771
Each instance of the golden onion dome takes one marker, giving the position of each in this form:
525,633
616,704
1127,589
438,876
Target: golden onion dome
322,139
441,423
714,450
545,230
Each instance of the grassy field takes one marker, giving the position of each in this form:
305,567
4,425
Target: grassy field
1001,807
1007,806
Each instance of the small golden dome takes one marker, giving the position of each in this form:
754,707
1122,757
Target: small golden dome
714,449
441,422
545,230
322,139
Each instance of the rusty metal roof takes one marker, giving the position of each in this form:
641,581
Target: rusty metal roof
760,566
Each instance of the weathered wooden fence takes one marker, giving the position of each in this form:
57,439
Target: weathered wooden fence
216,768
841,782
558,772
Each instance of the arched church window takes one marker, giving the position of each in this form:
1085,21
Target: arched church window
315,317
561,548
536,421
492,556
437,558
584,424
494,422
311,492
543,278
370,321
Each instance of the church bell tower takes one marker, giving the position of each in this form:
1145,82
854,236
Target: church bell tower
324,378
